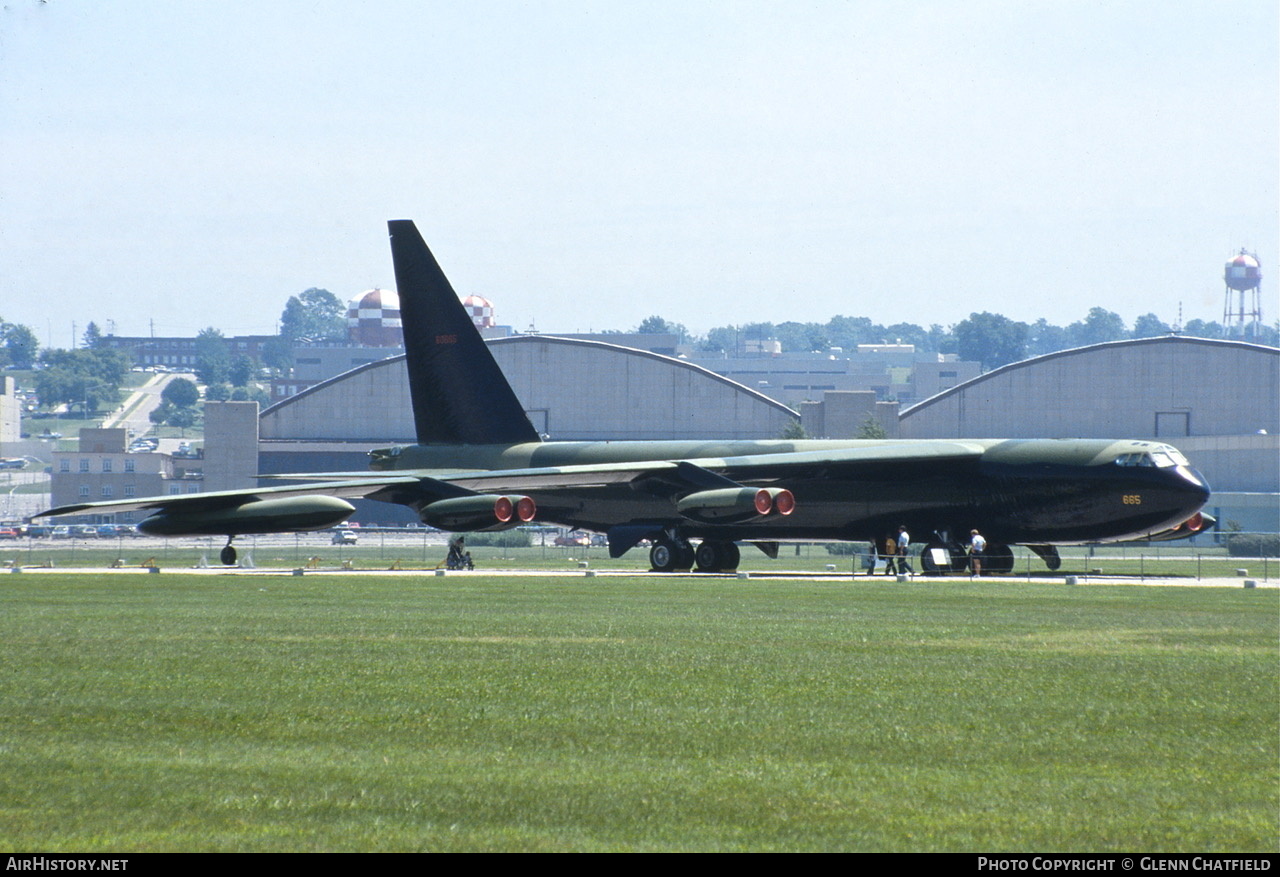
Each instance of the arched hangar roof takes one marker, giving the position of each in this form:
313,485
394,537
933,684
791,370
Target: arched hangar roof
1150,387
572,389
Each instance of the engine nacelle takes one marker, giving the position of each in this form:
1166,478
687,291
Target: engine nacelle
732,505
283,515
484,511
1188,528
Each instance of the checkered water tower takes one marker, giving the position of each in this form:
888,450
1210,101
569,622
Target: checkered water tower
1242,311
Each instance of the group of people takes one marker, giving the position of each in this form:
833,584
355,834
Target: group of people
897,548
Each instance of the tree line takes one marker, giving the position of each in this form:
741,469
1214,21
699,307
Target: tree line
90,377
990,339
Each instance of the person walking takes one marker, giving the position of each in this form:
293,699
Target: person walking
890,551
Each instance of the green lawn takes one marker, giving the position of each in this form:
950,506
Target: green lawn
379,551
165,712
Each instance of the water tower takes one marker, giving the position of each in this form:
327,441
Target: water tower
1243,307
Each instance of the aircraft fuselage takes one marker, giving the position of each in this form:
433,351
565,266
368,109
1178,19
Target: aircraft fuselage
1034,491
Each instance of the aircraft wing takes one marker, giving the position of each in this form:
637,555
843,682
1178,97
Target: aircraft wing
682,475
709,490
222,499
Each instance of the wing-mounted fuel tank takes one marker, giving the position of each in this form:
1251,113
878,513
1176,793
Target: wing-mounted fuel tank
734,505
283,515
479,512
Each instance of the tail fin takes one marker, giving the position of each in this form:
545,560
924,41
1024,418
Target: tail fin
459,394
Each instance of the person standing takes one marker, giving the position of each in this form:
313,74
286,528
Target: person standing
904,551
977,546
890,550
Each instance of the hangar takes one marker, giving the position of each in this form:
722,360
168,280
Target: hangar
572,390
1218,401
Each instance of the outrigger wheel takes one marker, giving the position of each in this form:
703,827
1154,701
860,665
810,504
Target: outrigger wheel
228,555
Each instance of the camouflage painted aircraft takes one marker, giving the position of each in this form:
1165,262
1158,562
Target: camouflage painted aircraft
480,465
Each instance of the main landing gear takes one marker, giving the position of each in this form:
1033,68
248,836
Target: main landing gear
716,556
670,553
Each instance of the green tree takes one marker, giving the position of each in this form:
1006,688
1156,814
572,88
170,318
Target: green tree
1150,326
64,386
871,429
849,332
802,337
1045,337
315,315
183,418
656,325
251,393
92,336
277,353
173,415
217,392
991,339
181,393
86,378
213,359
1100,326
722,339
242,371
1201,329
110,366
794,431
19,344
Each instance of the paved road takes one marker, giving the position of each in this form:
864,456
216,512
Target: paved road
135,413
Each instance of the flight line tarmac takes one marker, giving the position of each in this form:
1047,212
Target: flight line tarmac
1068,579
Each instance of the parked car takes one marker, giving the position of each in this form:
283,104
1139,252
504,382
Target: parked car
343,537
8,533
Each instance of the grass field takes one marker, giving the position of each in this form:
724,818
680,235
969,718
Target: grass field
380,550
168,712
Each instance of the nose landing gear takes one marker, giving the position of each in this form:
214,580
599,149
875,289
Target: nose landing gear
228,555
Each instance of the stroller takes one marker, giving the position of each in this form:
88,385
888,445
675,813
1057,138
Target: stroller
458,559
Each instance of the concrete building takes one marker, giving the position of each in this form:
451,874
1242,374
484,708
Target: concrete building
894,372
230,445
103,468
175,352
849,414
10,414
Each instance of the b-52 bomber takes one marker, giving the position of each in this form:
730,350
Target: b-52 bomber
480,465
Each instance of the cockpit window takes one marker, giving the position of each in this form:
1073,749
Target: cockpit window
1163,458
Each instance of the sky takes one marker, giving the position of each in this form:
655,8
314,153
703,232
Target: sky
169,165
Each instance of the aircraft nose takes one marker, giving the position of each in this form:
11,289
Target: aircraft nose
1191,484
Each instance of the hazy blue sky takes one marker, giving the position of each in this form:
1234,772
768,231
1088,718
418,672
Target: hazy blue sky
587,164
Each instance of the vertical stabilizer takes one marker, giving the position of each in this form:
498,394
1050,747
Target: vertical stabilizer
460,396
